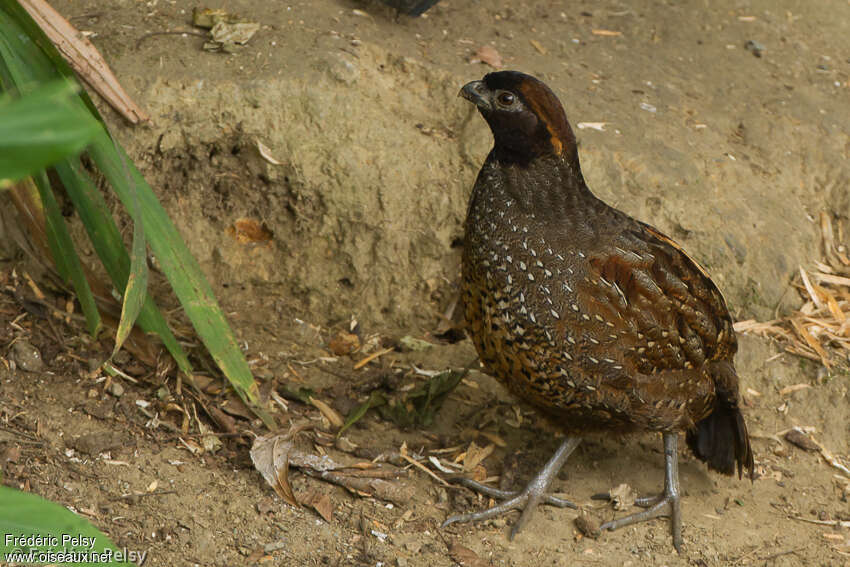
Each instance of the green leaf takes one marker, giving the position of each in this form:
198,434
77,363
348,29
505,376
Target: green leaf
27,58
41,128
27,516
415,408
65,255
137,283
106,240
178,265
302,394
376,399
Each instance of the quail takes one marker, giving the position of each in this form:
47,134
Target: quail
600,321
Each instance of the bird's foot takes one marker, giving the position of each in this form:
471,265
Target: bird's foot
656,507
664,504
526,500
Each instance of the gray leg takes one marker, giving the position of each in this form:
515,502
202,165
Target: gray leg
666,504
527,500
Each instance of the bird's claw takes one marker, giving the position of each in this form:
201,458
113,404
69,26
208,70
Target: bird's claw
508,494
656,507
664,504
526,501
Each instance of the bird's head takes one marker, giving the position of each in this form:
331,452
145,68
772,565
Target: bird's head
525,116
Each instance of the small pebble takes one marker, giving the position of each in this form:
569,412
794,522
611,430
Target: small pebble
755,47
274,546
801,440
116,389
27,356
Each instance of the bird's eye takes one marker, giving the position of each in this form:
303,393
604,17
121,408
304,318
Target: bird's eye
506,98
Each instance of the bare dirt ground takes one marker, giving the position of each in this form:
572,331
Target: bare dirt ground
731,147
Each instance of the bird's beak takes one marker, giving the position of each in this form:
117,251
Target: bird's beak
475,92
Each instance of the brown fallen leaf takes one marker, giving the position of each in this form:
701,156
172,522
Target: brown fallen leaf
222,419
475,454
280,453
465,557
488,55
320,502
330,414
801,440
249,231
344,343
234,406
273,453
622,497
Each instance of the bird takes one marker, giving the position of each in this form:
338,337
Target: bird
411,7
598,320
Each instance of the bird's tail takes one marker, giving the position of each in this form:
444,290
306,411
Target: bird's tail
721,439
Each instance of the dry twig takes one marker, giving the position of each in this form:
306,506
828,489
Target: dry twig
824,318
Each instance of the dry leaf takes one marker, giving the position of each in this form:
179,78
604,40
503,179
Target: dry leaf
465,557
344,343
230,33
320,502
280,454
475,454
273,454
811,289
330,414
247,231
270,455
811,341
488,55
622,497
799,439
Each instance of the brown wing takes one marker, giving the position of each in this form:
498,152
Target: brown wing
674,316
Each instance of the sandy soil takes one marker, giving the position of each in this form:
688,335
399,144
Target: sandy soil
731,153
